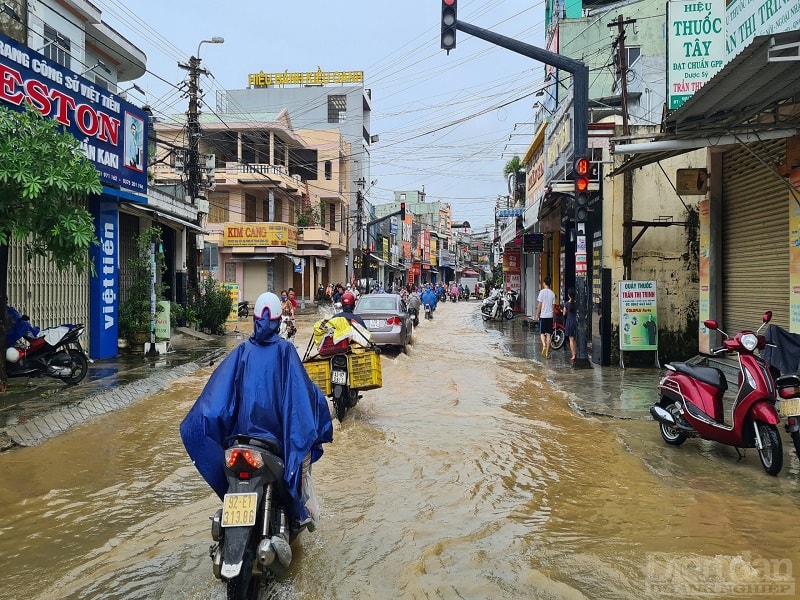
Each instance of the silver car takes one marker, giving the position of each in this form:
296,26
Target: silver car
387,318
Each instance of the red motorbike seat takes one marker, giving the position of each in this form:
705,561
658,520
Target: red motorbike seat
710,375
35,344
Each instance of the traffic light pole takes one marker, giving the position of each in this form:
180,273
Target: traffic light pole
580,142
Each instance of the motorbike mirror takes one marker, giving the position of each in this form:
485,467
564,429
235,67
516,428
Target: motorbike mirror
768,316
711,324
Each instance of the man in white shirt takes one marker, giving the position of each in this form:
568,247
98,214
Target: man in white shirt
544,313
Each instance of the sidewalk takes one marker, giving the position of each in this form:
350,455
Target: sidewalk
601,391
47,407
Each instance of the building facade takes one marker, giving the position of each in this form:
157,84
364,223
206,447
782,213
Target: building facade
318,100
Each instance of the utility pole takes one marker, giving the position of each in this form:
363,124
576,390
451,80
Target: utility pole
193,175
580,142
359,225
627,177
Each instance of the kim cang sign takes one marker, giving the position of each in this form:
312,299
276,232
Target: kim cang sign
112,132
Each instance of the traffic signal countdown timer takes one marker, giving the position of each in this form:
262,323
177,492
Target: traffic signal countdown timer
581,190
449,24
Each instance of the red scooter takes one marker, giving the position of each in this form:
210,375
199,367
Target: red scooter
690,403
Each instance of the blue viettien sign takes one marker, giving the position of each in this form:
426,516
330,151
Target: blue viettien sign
510,212
112,132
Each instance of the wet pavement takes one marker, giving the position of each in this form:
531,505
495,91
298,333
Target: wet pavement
469,475
38,409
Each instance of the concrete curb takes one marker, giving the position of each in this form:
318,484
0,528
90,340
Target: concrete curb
45,426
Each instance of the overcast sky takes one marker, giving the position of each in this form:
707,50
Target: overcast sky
443,121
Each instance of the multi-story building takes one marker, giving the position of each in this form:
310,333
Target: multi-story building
277,200
75,64
318,100
659,223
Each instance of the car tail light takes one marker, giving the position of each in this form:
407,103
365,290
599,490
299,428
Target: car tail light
243,459
393,321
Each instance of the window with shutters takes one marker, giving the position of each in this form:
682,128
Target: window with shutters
56,47
337,108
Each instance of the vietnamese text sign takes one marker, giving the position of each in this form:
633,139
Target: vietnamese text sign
260,234
696,47
111,131
638,329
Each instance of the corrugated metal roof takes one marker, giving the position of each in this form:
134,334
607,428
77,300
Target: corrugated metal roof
757,91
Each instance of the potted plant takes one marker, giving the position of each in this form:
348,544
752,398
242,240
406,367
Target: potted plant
134,312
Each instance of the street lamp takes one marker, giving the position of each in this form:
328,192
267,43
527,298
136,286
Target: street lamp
214,40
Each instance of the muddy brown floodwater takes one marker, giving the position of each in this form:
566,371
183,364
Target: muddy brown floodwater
469,475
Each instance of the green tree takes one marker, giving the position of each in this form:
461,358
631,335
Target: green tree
43,177
512,166
516,186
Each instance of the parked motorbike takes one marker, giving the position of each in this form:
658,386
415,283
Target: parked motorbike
53,352
253,530
559,334
243,310
498,305
789,406
344,368
690,402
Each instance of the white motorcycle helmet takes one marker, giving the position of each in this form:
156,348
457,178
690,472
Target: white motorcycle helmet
269,302
13,354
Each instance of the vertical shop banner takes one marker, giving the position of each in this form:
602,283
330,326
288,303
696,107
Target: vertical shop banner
638,326
696,47
104,284
704,208
794,259
233,292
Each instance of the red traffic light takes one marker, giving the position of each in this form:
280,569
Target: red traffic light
449,11
582,184
402,211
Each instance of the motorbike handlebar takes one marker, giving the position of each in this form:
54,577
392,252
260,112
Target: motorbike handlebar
718,350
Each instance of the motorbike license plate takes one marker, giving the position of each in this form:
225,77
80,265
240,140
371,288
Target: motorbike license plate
790,407
239,510
339,377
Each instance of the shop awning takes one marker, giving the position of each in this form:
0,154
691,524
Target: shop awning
156,213
756,96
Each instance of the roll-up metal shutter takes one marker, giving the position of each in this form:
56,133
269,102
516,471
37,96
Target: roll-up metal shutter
128,230
755,234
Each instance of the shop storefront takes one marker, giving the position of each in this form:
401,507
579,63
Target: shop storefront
113,134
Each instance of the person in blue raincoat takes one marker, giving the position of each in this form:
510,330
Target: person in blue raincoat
261,389
429,297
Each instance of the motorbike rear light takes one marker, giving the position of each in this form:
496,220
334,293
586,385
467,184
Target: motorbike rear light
789,392
234,455
792,421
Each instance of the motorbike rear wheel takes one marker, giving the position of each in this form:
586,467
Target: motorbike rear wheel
672,435
796,440
79,366
244,586
508,314
557,339
771,454
340,405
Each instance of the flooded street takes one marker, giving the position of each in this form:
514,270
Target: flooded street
475,472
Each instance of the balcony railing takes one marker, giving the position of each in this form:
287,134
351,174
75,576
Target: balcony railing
314,234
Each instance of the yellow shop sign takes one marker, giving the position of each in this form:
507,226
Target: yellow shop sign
318,77
260,234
